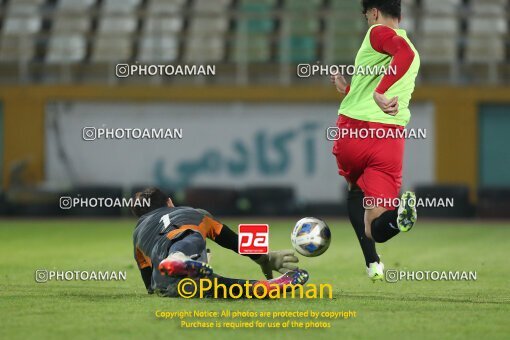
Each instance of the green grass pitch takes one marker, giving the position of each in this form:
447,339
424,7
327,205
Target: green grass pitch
122,310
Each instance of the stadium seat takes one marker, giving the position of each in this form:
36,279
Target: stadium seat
477,49
298,49
154,25
158,48
210,6
486,31
158,42
440,26
345,27
256,49
349,6
22,18
256,16
66,48
302,5
257,4
256,26
206,42
253,41
117,25
204,49
165,7
488,26
408,22
203,25
293,24
70,24
31,2
436,49
15,48
437,42
120,6
450,7
341,51
69,27
439,34
75,5
287,30
344,30
163,17
488,7
111,49
75,24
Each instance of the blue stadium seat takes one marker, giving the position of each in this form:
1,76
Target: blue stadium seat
298,49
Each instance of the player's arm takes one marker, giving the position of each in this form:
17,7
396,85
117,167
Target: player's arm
146,277
281,261
145,268
384,40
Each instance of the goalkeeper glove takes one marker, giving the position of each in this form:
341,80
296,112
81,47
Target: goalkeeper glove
280,261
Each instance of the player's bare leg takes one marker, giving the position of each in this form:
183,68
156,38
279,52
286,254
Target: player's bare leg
370,216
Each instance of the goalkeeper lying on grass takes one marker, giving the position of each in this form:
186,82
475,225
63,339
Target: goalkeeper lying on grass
170,244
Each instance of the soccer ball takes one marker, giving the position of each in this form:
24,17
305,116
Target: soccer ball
311,237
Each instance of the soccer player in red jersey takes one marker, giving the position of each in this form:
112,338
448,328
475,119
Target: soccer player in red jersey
378,102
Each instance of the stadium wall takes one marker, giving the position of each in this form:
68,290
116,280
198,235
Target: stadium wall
456,117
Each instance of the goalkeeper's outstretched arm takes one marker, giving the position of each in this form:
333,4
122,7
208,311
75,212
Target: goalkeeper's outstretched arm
281,261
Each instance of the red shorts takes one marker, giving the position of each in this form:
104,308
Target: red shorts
372,162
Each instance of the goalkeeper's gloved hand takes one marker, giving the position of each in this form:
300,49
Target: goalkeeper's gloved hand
281,261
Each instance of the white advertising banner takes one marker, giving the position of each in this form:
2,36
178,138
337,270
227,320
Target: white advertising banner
233,145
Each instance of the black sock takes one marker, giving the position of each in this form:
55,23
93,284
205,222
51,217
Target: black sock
357,217
385,226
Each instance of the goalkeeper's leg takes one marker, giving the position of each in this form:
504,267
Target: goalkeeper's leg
227,287
184,261
186,257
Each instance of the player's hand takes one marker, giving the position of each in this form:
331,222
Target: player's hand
339,81
388,106
281,261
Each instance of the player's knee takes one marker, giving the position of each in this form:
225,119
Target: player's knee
198,243
368,229
353,187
